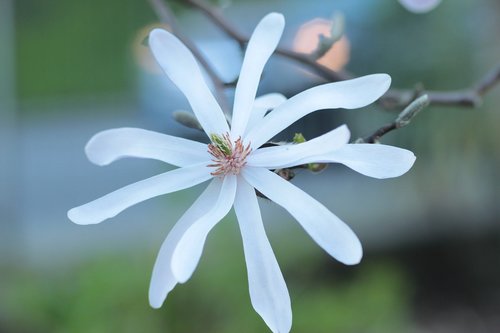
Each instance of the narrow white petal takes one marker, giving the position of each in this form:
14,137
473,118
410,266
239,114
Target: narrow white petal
269,101
350,94
188,250
326,229
268,291
181,67
374,160
115,202
263,104
162,279
108,146
261,45
420,6
293,154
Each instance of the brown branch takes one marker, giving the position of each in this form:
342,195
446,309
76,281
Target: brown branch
469,97
375,137
393,99
165,14
219,20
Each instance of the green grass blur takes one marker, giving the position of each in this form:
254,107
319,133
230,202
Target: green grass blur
109,294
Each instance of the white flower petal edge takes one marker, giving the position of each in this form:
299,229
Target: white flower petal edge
115,202
188,250
110,145
269,101
268,291
350,94
230,159
419,6
373,160
261,45
162,278
263,104
326,229
181,67
292,154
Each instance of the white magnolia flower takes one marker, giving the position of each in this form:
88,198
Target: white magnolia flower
419,6
236,166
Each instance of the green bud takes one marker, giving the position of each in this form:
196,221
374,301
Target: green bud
317,167
187,119
412,110
298,138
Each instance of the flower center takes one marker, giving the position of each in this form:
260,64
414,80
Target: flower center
228,156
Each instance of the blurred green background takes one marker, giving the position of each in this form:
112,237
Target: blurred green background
431,237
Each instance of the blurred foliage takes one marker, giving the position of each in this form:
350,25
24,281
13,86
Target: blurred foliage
109,294
74,48
78,48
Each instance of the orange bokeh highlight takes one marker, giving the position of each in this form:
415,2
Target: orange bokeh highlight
307,40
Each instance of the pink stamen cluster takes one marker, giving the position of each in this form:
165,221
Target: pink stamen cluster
229,158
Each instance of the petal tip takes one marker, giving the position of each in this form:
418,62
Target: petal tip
384,79
154,301
91,151
157,32
78,217
344,129
275,17
354,258
75,217
272,22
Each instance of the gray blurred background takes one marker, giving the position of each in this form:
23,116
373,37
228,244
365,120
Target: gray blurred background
69,69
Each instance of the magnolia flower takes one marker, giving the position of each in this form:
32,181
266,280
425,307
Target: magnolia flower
236,166
419,6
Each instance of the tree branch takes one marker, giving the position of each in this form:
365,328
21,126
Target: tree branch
469,97
403,119
393,99
165,14
216,17
411,99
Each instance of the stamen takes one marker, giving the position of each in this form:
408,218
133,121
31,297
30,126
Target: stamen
229,157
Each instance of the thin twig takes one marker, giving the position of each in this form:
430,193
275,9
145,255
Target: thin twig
403,119
470,97
393,99
216,17
165,14
375,137
488,81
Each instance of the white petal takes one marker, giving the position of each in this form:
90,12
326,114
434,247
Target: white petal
188,250
293,154
181,67
110,145
263,104
350,94
268,291
420,6
333,235
269,101
162,279
115,202
262,44
374,160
